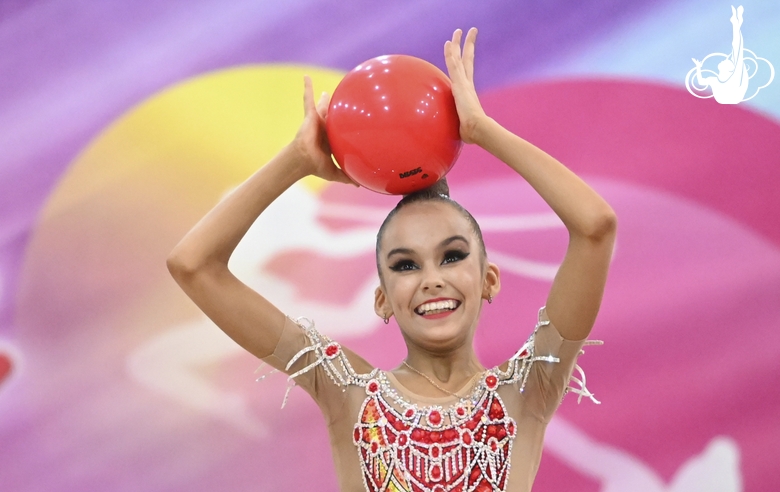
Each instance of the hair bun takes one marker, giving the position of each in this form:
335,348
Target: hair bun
439,188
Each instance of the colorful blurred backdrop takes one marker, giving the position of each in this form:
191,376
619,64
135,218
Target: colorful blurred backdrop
122,123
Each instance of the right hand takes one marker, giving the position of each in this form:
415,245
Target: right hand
460,65
311,141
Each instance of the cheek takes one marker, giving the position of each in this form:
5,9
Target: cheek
400,290
471,276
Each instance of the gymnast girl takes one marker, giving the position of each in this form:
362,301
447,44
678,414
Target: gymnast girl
440,421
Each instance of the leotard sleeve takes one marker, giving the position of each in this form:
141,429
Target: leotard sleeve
543,369
319,365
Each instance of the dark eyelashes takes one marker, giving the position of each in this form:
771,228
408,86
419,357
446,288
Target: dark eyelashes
454,255
403,265
450,256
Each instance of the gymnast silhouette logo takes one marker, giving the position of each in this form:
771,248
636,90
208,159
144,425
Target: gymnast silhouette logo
729,84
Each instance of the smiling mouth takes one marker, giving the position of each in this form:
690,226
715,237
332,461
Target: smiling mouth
437,307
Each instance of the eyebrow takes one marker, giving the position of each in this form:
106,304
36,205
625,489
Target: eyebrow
446,242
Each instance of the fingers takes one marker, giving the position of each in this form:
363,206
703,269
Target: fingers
461,61
336,174
452,56
322,105
452,48
468,52
449,59
456,36
308,95
343,178
321,108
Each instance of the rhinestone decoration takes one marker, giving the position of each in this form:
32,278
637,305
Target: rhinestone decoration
434,418
444,450
491,381
401,446
372,387
332,350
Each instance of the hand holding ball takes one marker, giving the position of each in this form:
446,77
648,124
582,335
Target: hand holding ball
392,124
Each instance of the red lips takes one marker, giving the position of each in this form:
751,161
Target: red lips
437,300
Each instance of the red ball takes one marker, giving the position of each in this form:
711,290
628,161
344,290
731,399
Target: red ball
392,124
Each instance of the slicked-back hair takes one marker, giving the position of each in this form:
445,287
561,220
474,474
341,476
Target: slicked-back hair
439,192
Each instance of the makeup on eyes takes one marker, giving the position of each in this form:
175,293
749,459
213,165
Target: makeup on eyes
452,255
443,244
449,256
403,265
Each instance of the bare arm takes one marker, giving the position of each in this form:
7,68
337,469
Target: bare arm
199,262
576,293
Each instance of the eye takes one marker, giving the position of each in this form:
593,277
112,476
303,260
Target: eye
403,266
454,255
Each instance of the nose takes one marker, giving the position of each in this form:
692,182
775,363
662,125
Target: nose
432,280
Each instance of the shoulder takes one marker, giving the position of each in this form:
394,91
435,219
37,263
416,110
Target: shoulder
544,363
325,350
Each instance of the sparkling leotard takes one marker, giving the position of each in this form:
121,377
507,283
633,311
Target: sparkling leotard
386,438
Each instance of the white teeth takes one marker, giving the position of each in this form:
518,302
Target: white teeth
429,307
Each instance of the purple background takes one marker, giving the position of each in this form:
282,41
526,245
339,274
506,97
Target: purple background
70,69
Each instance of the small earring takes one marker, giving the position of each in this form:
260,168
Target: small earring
386,319
490,298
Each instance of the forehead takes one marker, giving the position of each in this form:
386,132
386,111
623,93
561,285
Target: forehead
424,225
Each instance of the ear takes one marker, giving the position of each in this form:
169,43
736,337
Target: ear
382,304
492,284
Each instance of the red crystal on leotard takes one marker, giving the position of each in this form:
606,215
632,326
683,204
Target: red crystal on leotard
466,437
372,387
491,381
496,411
465,447
402,440
493,444
433,453
332,350
434,418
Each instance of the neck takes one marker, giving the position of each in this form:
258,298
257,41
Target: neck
450,370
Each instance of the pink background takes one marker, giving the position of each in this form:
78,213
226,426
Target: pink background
111,380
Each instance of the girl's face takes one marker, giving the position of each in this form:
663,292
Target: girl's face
433,276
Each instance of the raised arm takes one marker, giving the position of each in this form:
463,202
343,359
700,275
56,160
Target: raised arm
576,292
199,263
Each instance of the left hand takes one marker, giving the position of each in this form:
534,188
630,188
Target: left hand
311,141
461,70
